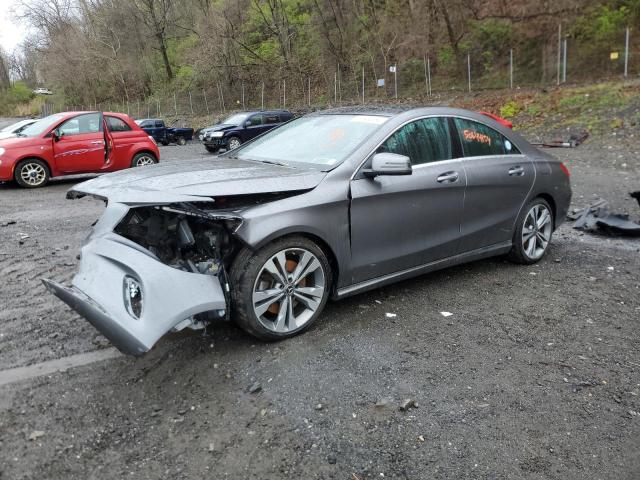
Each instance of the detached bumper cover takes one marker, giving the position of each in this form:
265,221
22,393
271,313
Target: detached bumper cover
169,295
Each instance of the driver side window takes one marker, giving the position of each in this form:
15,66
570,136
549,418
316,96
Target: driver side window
423,141
88,123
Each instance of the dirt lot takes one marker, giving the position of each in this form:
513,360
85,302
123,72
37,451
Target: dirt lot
535,375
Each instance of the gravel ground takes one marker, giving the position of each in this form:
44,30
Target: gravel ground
535,375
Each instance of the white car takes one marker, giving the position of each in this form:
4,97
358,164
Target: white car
15,128
42,91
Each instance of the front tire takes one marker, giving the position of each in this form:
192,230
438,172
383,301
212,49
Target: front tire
32,173
234,142
210,149
143,159
280,290
533,232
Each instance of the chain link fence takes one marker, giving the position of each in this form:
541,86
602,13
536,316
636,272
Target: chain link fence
564,59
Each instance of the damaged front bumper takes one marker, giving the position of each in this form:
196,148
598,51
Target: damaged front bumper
114,270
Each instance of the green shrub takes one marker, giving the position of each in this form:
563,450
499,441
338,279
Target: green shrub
510,109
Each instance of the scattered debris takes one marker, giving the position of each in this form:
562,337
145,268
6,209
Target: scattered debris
255,388
597,218
332,459
446,314
391,315
421,438
573,141
383,403
8,222
36,435
212,447
408,403
318,406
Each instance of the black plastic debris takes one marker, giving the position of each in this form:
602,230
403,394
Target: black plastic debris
597,218
573,141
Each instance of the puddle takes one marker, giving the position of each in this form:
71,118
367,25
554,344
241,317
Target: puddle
17,374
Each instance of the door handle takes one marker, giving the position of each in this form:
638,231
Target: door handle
448,177
516,171
97,142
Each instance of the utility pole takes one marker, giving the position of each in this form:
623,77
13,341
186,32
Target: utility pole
469,70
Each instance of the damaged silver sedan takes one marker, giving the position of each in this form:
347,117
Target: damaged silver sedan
328,205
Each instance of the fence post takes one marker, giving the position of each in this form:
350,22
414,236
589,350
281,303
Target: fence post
363,85
148,110
469,70
221,97
511,69
559,51
206,104
175,104
335,87
395,79
262,96
190,102
284,94
158,107
242,95
309,85
626,52
564,60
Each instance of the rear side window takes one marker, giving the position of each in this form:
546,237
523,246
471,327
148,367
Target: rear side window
271,118
117,125
479,140
159,124
423,141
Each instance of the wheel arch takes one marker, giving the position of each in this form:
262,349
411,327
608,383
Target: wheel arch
144,150
552,203
310,235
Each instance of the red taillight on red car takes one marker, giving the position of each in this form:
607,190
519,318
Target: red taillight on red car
564,168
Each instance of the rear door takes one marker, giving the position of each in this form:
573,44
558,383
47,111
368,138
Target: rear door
499,179
271,120
81,144
253,126
399,222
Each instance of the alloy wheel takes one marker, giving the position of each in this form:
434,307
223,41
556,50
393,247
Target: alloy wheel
536,231
234,143
33,174
288,290
144,160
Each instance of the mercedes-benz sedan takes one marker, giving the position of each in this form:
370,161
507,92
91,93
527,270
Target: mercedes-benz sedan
326,206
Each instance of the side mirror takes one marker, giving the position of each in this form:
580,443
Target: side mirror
389,164
56,135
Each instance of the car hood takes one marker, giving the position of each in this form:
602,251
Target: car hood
13,141
197,180
219,127
4,135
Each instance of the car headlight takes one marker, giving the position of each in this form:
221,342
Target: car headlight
2,150
132,296
217,134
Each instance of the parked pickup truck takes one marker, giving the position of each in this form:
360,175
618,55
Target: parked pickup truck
163,134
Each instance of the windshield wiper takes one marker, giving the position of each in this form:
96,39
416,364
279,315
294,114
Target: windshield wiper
273,162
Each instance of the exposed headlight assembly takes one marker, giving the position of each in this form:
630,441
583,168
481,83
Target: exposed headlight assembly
217,134
132,296
2,150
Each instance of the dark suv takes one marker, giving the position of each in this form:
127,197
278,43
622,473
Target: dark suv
240,128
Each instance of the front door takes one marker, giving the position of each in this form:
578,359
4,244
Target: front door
399,222
499,179
80,146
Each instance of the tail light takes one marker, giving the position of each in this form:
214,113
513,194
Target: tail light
564,168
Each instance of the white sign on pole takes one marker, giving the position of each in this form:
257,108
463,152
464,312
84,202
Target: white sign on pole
392,69
381,82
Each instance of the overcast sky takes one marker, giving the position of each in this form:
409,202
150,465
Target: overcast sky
12,32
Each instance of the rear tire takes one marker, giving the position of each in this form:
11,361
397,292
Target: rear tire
532,236
32,173
280,290
143,159
181,141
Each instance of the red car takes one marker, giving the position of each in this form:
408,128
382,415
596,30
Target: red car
75,142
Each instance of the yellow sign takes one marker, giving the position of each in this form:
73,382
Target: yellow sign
613,55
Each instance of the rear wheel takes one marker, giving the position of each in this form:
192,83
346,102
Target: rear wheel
280,290
533,232
234,142
181,141
143,159
32,173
